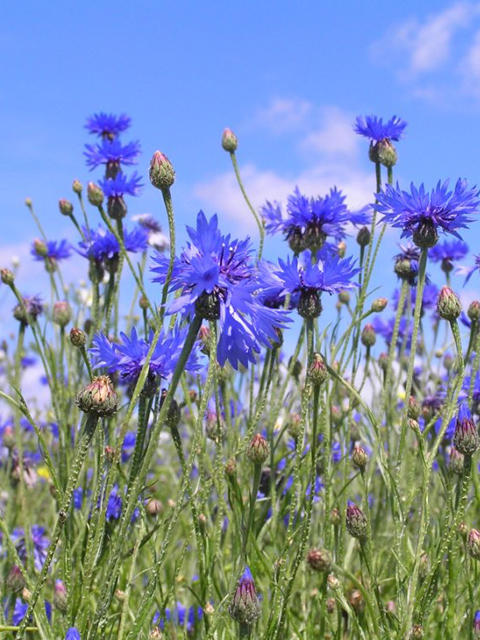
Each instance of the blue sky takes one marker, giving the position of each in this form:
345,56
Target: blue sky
289,78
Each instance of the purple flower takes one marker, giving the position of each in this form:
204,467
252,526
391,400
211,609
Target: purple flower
421,215
120,185
107,125
128,357
448,252
103,245
114,505
376,130
218,281
111,153
33,306
57,251
40,545
310,221
72,634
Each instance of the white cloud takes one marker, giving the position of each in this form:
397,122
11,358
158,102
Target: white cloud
334,135
284,115
425,46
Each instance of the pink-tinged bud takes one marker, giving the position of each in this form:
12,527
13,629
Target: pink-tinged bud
229,141
77,187
40,248
294,426
383,361
317,372
369,337
417,632
462,530
258,449
60,596
8,437
77,337
333,582
448,304
356,522
155,634
341,249
473,544
28,203
162,173
98,397
379,304
414,409
153,507
94,194
335,517
66,207
15,580
7,277
465,438
331,605
456,462
356,600
245,607
424,565
319,560
62,313
474,311
231,468
143,303
214,426
344,297
359,458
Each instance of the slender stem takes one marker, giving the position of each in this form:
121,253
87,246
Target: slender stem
167,199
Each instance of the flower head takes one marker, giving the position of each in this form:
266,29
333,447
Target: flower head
128,357
218,281
310,221
32,308
448,252
245,607
103,245
376,130
107,125
111,152
40,545
120,185
156,237
422,215
466,438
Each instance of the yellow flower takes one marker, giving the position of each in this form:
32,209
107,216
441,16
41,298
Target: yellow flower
44,473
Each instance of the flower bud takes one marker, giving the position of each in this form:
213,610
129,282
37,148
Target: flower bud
474,311
465,438
155,634
231,468
335,517
60,596
462,530
309,305
8,437
369,337
229,141
77,187
425,236
94,194
356,522
359,458
379,305
448,305
383,152
66,207
416,632
317,371
333,582
356,600
98,397
162,173
424,566
297,368
30,310
473,544
153,507
363,237
7,277
77,337
414,410
294,426
331,604
174,414
214,426
15,580
383,361
344,297
258,449
143,303
40,248
456,462
62,313
404,269
120,595
448,361
319,560
245,607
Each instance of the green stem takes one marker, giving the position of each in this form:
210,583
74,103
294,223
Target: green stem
260,226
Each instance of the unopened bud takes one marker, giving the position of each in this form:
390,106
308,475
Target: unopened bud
379,304
258,449
162,173
60,596
456,462
317,372
319,560
62,313
15,580
414,410
98,397
356,522
344,297
417,632
7,277
465,438
448,304
40,248
474,311
333,582
359,458
153,507
363,237
341,249
335,517
245,606
77,187
143,303
77,337
231,467
94,194
473,544
66,207
369,337
229,141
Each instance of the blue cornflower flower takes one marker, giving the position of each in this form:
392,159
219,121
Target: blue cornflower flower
107,125
376,130
422,215
447,252
33,306
120,185
114,505
218,280
406,263
54,250
40,545
310,221
180,616
128,357
156,237
19,611
102,245
111,153
73,634
308,280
